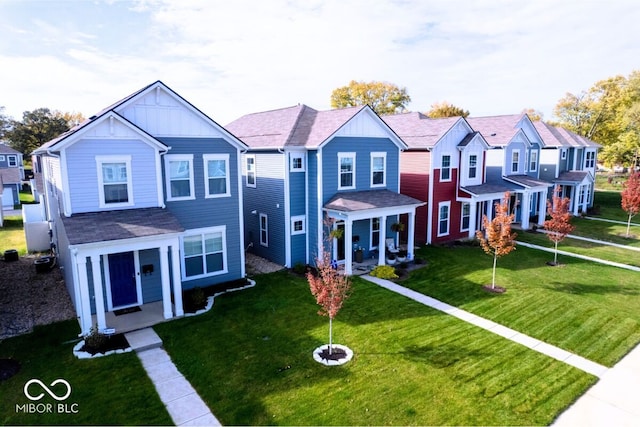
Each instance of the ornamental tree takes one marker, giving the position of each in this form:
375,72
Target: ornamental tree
558,226
497,239
631,197
330,287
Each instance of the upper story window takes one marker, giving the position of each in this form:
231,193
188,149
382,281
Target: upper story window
533,161
445,169
204,253
216,180
179,176
590,160
298,225
114,181
473,166
12,161
515,161
251,171
378,169
296,163
346,171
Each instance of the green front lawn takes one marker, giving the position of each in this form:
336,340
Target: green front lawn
586,308
113,390
12,235
607,231
250,358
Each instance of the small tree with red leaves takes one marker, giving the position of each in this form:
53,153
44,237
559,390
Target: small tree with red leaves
631,197
497,239
558,226
329,286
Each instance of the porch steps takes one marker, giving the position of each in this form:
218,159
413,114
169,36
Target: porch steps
143,339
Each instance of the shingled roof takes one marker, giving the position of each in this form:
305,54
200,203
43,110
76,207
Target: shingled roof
556,136
498,131
418,131
371,199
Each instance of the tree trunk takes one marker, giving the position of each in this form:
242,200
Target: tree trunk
629,225
330,333
555,258
495,260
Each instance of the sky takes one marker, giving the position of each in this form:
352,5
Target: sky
234,57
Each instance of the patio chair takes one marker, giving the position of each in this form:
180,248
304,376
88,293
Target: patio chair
391,246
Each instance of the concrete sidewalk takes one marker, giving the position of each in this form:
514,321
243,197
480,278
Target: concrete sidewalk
612,401
181,400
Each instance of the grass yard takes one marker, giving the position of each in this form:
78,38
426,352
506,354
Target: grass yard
609,253
586,308
113,390
609,205
12,235
250,358
610,181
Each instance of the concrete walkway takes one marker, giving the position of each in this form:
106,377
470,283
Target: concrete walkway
183,403
633,224
596,241
612,401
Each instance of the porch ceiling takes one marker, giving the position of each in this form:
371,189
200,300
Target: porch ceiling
94,227
356,201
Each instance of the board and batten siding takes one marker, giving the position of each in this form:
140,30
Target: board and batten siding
297,207
81,167
549,163
266,198
314,218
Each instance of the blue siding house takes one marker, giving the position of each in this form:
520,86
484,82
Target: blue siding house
11,176
145,201
304,165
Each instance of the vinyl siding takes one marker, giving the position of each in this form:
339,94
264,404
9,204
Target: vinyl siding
414,182
297,207
151,283
314,219
446,192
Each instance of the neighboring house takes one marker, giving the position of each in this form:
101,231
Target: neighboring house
145,201
569,161
444,156
302,165
12,174
513,165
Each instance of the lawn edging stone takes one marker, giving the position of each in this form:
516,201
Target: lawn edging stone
210,299
332,362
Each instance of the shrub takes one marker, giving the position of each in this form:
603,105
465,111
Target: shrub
195,299
95,340
384,272
300,268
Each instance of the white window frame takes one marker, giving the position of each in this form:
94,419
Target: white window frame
563,154
126,159
168,158
516,163
372,231
448,168
462,216
206,158
264,242
294,220
1,157
292,158
373,156
533,161
251,171
351,156
473,168
441,205
202,232
590,163
12,158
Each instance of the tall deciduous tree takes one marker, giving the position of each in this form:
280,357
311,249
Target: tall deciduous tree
631,197
36,128
559,225
534,115
5,123
329,287
383,97
497,239
446,109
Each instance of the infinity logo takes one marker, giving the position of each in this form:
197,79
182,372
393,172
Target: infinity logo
47,389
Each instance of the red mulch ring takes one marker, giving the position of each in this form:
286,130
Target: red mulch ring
496,290
8,368
336,354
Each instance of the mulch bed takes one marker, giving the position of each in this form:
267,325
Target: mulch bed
107,343
336,354
495,290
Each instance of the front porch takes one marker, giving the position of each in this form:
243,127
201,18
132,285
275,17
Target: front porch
149,314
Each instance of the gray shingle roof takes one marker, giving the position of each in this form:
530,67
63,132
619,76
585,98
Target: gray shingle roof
556,136
527,181
5,149
483,189
572,177
419,131
120,224
497,130
374,199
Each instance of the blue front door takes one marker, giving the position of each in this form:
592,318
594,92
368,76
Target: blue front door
122,273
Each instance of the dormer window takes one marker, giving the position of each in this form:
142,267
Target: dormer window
473,166
515,161
533,161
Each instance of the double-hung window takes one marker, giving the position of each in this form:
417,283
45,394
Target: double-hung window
251,170
346,171
590,161
216,180
533,161
443,218
378,169
12,161
179,176
515,161
204,253
114,181
473,166
264,229
445,168
466,215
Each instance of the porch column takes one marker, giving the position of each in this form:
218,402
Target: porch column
83,285
348,243
177,280
97,292
525,212
411,219
166,283
574,200
473,206
542,207
490,210
382,246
